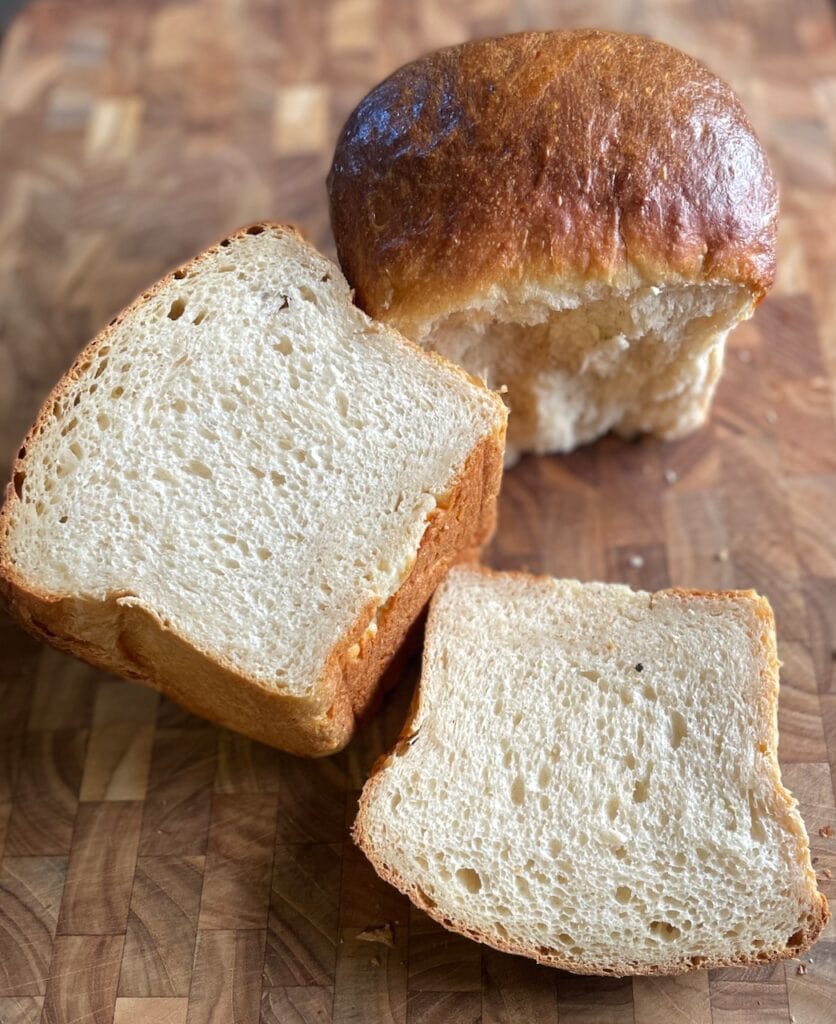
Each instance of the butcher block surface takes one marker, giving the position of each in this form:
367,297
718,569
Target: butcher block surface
154,868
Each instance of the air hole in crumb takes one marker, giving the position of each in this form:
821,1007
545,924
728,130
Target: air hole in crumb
664,931
277,479
201,316
623,894
649,692
264,553
179,274
396,799
256,229
103,421
284,346
522,886
796,939
63,519
612,807
117,392
19,478
469,879
518,791
679,730
591,675
177,309
198,468
544,776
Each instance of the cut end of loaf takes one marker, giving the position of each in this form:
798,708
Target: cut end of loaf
590,779
245,462
576,364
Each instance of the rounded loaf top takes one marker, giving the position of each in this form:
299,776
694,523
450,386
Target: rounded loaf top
547,158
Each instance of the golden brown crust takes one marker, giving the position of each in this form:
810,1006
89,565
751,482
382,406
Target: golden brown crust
129,640
583,155
797,943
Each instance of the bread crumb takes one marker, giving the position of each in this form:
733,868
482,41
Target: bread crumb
801,969
502,389
635,561
771,416
744,355
826,831
827,872
381,933
722,555
671,476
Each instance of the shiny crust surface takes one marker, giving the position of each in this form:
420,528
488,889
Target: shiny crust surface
587,156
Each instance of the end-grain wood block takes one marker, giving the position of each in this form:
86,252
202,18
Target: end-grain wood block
179,801
151,1011
516,991
684,999
30,897
82,979
100,874
21,1009
236,880
162,927
370,982
582,1000
119,752
245,766
729,990
303,928
227,977
311,800
65,689
46,794
300,1004
444,1008
440,961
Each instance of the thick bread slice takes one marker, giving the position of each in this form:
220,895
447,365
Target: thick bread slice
589,778
244,491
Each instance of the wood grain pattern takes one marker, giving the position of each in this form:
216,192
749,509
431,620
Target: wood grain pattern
157,870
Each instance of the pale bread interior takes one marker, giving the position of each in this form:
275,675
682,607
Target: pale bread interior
590,779
579,362
249,457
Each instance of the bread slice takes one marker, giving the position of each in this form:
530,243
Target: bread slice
589,778
579,215
244,491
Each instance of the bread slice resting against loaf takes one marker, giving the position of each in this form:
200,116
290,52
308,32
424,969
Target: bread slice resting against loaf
244,491
581,216
589,778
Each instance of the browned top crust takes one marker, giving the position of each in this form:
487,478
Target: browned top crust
577,154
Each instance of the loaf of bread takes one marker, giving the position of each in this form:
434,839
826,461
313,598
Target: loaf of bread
581,216
589,777
244,491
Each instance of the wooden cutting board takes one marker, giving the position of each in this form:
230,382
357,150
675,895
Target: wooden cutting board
157,869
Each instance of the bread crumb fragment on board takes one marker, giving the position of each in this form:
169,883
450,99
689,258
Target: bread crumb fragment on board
826,831
381,933
771,416
671,476
722,555
635,561
801,969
